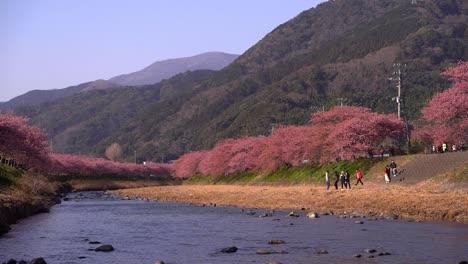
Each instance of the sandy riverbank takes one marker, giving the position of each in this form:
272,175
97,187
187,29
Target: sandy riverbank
421,202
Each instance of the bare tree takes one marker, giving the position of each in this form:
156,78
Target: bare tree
114,152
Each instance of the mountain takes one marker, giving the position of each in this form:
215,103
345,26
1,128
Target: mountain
152,74
35,97
167,68
340,50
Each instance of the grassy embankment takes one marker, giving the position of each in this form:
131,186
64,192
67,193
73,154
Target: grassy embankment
23,194
297,188
289,175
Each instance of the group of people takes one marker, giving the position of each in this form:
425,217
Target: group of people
390,171
344,178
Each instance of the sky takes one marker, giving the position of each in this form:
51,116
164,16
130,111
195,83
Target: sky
50,44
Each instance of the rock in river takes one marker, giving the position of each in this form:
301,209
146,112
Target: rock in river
312,215
276,242
322,251
229,250
104,248
293,214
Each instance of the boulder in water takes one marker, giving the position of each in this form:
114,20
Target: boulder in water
312,215
104,248
322,251
276,242
232,249
159,262
293,214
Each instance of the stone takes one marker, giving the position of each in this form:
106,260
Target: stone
266,215
12,261
293,214
357,256
38,261
276,242
463,262
383,254
104,248
370,250
273,262
268,251
22,262
371,256
159,262
359,222
81,257
321,251
312,215
94,242
229,250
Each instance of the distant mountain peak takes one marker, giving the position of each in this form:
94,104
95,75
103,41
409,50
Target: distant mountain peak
165,69
99,85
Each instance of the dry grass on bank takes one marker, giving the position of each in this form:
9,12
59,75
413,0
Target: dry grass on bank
105,184
423,202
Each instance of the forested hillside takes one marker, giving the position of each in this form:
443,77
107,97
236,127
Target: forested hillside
340,49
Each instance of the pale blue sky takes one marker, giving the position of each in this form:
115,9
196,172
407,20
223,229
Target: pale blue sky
49,44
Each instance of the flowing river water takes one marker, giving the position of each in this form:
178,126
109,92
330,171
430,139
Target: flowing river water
143,232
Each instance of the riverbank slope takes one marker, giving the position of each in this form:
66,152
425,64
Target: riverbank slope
443,197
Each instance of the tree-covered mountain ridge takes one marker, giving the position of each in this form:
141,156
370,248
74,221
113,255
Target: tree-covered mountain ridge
340,50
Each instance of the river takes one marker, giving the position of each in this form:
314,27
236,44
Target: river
143,232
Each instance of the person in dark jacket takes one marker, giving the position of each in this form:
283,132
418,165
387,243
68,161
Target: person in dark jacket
343,180
393,167
335,174
347,180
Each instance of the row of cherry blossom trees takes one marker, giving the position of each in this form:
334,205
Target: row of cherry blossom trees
89,166
26,146
342,132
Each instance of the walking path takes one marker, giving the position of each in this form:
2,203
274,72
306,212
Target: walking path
425,166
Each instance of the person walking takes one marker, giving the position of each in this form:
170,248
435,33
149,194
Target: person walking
343,180
387,174
335,174
348,180
393,166
359,177
327,180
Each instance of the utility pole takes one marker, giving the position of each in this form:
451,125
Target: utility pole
397,77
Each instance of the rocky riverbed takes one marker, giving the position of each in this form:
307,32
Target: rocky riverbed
102,228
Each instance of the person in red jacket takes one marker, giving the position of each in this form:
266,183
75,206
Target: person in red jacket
359,177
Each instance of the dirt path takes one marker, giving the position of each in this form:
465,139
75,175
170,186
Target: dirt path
415,202
425,166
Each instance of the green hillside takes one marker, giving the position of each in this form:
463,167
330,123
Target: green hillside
341,49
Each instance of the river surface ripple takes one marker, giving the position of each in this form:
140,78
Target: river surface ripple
143,232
